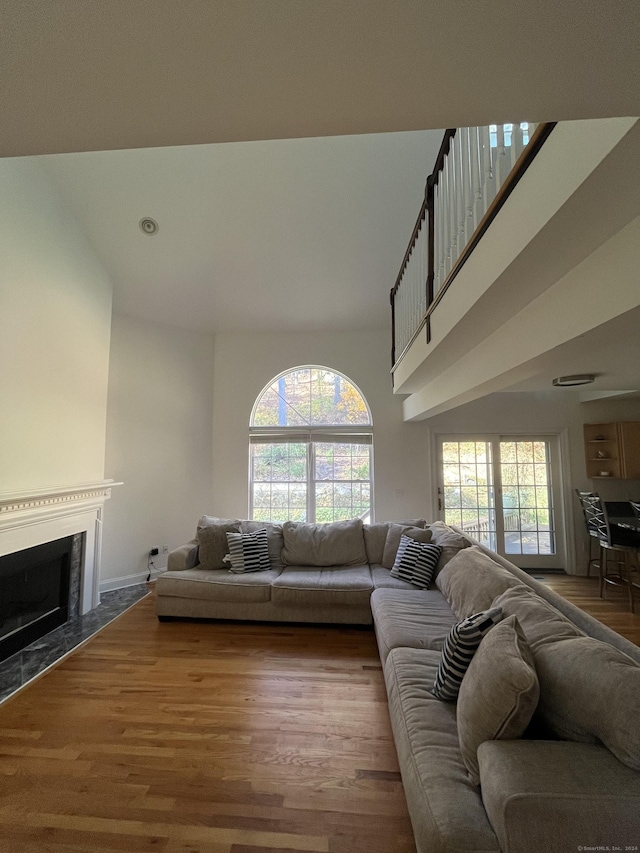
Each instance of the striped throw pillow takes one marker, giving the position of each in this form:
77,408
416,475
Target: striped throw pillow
459,648
416,562
248,552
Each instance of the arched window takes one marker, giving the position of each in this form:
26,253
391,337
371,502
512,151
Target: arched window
311,449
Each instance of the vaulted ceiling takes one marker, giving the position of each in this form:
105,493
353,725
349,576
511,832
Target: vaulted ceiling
106,74
282,145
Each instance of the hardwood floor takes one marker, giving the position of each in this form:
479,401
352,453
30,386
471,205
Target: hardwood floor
216,738
613,609
224,738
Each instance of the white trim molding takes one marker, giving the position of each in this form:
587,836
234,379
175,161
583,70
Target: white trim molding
35,516
130,580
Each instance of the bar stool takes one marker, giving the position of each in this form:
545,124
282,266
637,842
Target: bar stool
625,544
594,531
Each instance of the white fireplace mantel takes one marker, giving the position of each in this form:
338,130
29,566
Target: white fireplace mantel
33,517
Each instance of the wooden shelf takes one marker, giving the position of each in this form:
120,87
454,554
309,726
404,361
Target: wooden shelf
623,448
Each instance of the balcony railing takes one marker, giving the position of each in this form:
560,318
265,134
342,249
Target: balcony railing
476,170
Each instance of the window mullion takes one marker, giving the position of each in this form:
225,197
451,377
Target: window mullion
311,482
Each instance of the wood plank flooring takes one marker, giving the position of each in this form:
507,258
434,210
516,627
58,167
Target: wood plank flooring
224,738
216,738
613,609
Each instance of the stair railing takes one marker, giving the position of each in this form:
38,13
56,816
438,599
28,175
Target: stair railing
476,170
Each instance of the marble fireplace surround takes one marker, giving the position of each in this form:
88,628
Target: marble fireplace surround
33,517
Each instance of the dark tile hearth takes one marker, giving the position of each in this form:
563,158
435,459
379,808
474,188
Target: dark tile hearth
31,661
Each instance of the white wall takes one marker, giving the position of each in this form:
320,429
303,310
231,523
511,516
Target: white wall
518,413
158,443
245,364
55,315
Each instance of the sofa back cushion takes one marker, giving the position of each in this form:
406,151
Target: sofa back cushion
212,540
375,536
340,543
540,621
450,542
275,540
590,691
472,580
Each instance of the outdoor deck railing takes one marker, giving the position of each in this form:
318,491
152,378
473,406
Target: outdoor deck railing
476,170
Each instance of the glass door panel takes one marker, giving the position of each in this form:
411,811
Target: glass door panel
467,492
504,492
527,505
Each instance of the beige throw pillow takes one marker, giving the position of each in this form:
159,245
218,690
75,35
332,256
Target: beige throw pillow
499,692
395,534
275,539
375,536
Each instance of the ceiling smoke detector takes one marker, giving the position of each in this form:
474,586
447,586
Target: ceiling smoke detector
149,226
576,379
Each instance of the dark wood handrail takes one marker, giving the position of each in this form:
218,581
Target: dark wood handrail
527,156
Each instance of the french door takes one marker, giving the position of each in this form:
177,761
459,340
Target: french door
505,492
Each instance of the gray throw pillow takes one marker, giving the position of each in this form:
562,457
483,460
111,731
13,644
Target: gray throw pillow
395,534
212,540
275,539
498,694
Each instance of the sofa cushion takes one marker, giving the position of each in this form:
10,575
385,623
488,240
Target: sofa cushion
299,586
382,579
550,795
375,536
472,580
248,552
212,540
459,648
589,690
446,809
217,585
275,540
394,538
450,541
416,562
498,694
416,619
540,621
340,543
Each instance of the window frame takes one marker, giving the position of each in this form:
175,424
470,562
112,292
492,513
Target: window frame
327,433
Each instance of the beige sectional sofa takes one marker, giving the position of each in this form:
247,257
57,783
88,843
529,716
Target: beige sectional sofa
571,782
319,573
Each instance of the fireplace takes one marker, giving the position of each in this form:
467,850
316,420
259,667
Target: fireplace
59,531
35,587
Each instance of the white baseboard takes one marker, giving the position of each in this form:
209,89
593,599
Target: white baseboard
129,580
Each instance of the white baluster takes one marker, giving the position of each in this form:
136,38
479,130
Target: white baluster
512,152
518,139
488,179
446,256
467,184
453,225
437,238
476,170
462,210
499,158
